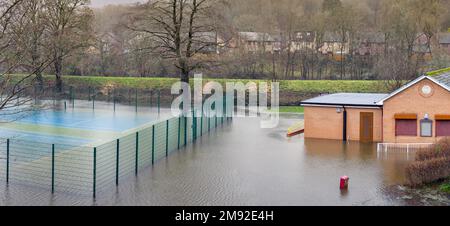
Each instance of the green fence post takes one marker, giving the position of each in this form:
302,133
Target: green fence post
7,161
196,125
224,108
159,101
117,161
209,120
114,99
167,138
153,144
193,126
94,173
53,168
201,124
93,98
136,100
151,99
73,98
136,164
179,131
185,130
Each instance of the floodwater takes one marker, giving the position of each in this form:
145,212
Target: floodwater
242,164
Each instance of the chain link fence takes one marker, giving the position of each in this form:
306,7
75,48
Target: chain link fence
87,169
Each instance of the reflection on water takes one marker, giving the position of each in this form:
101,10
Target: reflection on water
391,165
242,164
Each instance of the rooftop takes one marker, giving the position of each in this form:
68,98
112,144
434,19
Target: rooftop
372,37
334,37
443,78
347,99
444,38
256,36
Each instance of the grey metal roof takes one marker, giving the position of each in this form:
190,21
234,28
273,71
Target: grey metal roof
256,36
444,38
443,79
329,36
347,99
372,37
305,36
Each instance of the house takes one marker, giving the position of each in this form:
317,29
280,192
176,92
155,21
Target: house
208,42
370,44
422,47
303,40
335,44
418,112
444,41
255,41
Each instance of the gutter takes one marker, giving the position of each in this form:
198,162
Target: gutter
340,105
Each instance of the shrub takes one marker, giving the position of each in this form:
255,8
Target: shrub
439,150
445,187
422,172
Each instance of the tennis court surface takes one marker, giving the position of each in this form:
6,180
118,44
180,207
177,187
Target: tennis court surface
85,149
81,125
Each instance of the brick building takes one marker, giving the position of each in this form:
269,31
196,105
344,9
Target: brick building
418,112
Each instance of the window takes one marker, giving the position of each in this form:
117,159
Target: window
426,128
405,127
443,128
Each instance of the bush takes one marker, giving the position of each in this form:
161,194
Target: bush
439,150
430,165
422,172
445,187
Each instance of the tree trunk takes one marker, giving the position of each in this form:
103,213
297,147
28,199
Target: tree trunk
58,73
36,66
39,79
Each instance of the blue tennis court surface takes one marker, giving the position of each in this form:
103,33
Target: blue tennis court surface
79,125
53,139
88,119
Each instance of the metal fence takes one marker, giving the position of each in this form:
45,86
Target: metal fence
384,149
87,169
129,96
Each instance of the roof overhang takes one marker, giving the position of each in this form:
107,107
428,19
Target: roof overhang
311,104
410,84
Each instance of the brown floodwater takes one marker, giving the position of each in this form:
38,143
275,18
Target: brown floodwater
242,164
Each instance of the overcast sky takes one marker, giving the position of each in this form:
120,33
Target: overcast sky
100,3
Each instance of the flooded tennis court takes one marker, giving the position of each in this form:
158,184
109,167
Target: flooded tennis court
63,124
242,164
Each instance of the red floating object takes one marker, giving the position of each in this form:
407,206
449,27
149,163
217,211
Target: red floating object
344,182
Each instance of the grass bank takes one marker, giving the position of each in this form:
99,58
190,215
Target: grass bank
445,186
292,92
300,86
291,109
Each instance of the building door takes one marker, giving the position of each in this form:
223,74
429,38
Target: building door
366,127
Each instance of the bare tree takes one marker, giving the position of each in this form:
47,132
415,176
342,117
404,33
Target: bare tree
69,28
179,30
14,26
35,42
395,68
